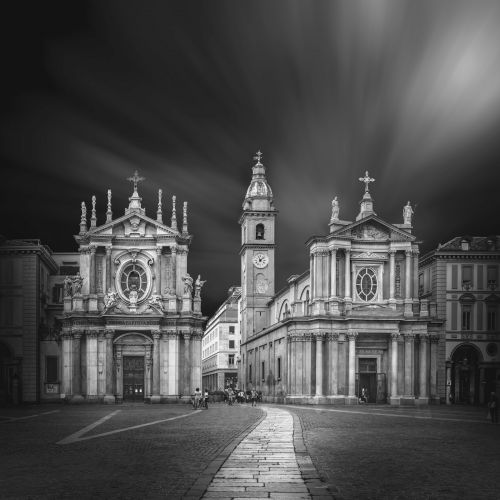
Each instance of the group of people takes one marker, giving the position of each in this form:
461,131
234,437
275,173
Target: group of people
200,399
234,395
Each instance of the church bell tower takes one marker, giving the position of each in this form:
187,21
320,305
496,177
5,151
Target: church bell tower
257,252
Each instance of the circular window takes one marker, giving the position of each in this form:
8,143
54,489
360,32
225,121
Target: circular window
134,277
366,284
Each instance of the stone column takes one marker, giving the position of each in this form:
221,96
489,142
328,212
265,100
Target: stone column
109,397
91,365
292,366
92,250
347,253
173,265
352,335
77,368
434,339
101,363
409,342
423,372
119,372
333,360
173,365
408,274
148,386
392,272
311,274
319,364
394,368
415,274
196,360
164,364
307,365
158,271
299,356
67,365
333,272
108,268
186,383
155,398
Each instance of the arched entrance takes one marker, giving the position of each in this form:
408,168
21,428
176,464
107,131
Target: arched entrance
465,379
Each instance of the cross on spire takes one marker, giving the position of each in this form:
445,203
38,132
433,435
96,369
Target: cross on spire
366,179
135,179
258,156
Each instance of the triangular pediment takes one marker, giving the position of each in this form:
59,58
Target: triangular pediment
132,224
372,228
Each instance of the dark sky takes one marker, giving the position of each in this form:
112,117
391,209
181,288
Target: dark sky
186,92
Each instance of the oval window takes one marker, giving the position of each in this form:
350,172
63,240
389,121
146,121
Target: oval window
366,284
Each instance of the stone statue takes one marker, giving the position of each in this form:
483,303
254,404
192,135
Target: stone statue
132,296
155,300
188,284
197,286
335,209
407,214
77,284
110,299
68,286
169,292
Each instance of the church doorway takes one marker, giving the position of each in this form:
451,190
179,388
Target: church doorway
367,379
465,379
133,378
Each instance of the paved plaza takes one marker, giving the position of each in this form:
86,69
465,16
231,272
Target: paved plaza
229,452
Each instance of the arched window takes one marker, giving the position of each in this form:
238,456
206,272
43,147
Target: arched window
259,232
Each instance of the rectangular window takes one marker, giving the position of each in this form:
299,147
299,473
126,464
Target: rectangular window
479,315
51,369
466,277
454,276
278,368
492,319
231,360
263,371
367,365
454,315
57,294
231,329
250,373
492,277
231,344
466,317
480,272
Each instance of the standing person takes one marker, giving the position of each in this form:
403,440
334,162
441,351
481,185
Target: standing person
197,398
493,407
206,399
253,396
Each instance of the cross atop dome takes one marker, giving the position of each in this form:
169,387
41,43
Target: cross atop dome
258,157
366,179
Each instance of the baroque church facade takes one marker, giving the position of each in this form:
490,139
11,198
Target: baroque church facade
352,321
118,320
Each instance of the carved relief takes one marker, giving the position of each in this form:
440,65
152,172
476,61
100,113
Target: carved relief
369,232
261,284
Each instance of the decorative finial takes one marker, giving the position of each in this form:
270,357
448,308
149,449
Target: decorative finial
366,179
135,179
93,218
174,215
258,157
83,219
185,218
109,213
159,216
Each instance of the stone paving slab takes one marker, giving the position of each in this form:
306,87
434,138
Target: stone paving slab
265,465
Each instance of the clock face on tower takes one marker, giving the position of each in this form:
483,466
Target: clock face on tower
260,260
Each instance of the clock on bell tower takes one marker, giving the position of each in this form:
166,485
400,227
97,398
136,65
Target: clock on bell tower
257,252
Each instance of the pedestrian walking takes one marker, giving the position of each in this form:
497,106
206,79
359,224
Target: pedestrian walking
493,408
206,399
197,398
253,397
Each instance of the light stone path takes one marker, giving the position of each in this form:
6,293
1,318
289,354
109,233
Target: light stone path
265,465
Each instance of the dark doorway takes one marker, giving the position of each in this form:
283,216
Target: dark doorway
465,378
133,378
367,379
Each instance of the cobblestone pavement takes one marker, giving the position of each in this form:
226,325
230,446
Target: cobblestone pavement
172,451
380,452
266,465
154,461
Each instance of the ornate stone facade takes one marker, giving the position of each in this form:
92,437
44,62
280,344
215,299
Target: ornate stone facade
128,328
353,320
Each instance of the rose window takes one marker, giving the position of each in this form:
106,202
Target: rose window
134,277
366,284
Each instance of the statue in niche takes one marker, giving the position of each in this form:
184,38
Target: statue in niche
77,284
407,214
335,209
110,299
188,284
132,296
68,286
197,286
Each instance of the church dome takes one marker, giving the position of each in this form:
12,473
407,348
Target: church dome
259,187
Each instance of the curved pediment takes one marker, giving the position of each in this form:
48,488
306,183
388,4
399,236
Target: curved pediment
132,339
